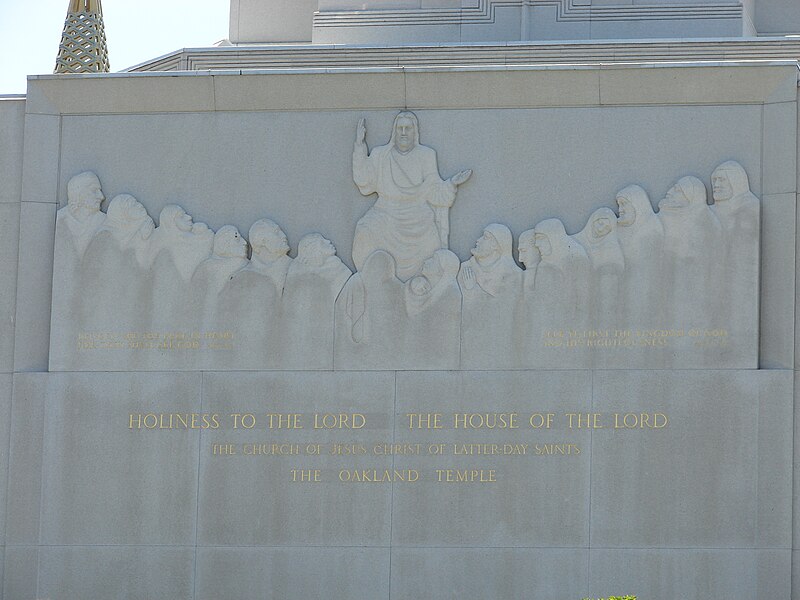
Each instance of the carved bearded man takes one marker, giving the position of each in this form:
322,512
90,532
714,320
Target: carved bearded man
410,218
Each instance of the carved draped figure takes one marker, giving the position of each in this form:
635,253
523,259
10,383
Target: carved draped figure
490,303
641,235
739,213
403,221
599,239
692,236
556,296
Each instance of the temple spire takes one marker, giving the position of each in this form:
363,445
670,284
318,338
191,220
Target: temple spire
83,46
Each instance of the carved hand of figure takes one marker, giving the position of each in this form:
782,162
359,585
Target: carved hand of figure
361,132
461,177
469,278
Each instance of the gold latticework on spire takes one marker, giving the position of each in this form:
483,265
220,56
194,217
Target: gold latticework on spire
83,47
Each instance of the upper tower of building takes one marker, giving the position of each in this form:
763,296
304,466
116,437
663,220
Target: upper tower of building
400,22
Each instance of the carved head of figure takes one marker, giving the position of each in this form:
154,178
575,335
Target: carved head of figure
173,217
688,193
84,194
269,243
443,264
405,133
495,243
603,222
314,249
631,202
229,243
420,285
551,239
728,181
529,253
127,217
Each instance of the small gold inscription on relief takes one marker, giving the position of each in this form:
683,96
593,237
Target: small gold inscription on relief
607,339
155,340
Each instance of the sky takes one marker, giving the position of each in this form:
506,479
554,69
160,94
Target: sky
136,30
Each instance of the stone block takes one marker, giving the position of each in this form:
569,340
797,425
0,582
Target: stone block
289,573
774,574
795,572
667,84
135,573
322,91
12,128
23,507
123,93
9,249
455,512
481,573
20,570
456,88
34,286
796,466
694,482
777,345
673,573
780,148
41,158
5,432
775,460
251,498
105,480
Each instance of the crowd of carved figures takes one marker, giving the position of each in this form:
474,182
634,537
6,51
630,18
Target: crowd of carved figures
690,264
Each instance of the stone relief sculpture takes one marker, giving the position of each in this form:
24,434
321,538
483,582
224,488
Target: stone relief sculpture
314,281
436,280
410,218
185,242
491,284
692,237
641,236
739,214
599,239
82,217
270,252
556,289
622,284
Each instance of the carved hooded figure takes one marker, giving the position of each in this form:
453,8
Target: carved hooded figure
559,298
691,229
187,243
491,269
370,296
491,285
739,212
409,220
436,280
599,239
737,209
641,235
640,232
692,240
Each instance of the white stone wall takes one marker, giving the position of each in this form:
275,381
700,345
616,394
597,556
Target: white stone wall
89,496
